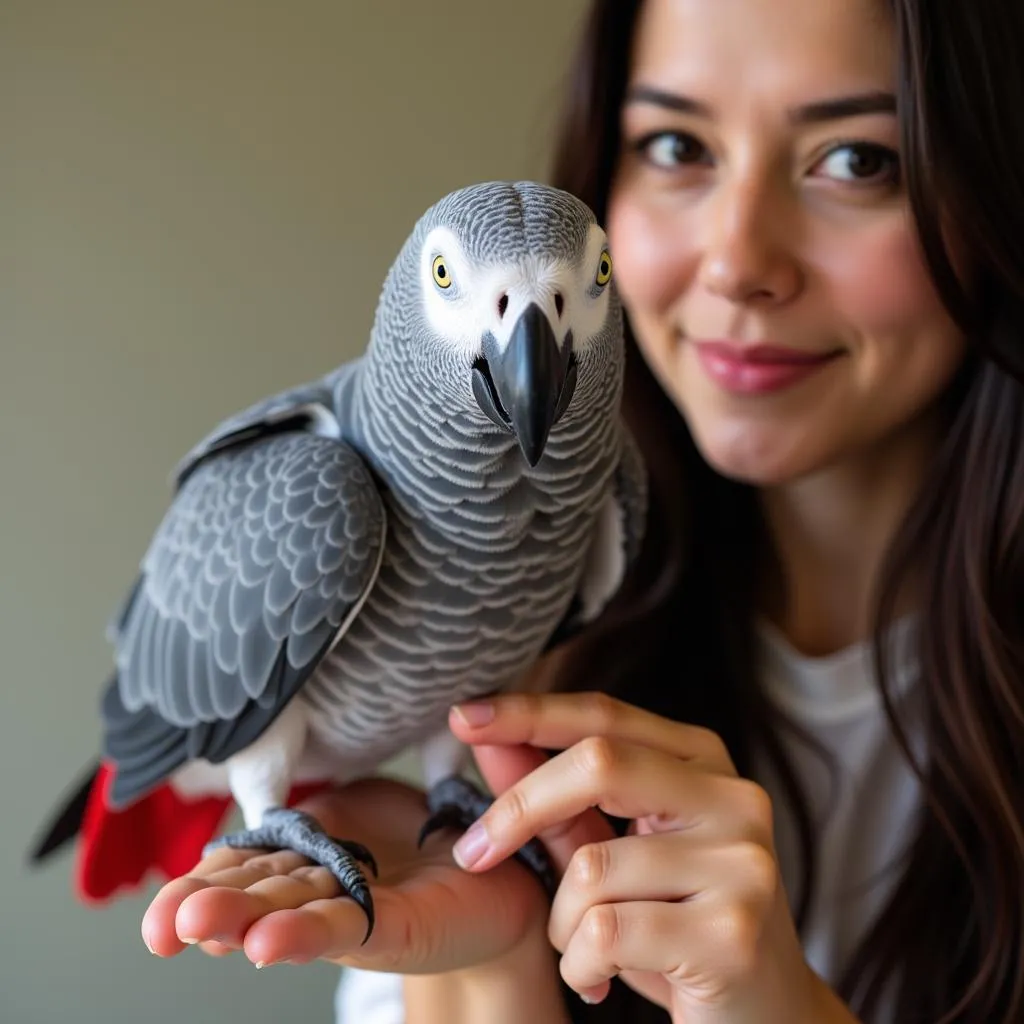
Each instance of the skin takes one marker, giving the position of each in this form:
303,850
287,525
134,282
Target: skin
737,222
276,907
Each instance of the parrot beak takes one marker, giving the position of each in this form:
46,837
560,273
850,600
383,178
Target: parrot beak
526,387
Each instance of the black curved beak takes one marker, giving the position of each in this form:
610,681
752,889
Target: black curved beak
527,387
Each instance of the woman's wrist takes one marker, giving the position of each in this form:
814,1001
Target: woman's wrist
522,984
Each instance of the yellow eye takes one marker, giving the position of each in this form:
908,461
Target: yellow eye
441,275
604,268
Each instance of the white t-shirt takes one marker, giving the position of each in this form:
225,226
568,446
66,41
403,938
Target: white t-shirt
864,813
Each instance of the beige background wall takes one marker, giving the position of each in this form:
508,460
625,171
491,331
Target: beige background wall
198,202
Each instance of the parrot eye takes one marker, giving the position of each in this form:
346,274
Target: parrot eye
604,268
442,278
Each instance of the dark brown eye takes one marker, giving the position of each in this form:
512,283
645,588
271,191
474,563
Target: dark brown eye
862,162
669,150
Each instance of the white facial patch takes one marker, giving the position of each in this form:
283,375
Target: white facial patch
464,301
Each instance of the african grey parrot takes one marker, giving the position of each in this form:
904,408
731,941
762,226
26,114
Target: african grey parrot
343,561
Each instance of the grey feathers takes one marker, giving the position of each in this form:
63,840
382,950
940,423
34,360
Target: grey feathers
373,545
303,407
631,490
262,555
499,220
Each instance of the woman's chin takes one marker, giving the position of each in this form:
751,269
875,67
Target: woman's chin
756,455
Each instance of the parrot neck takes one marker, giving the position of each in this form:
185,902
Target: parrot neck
442,463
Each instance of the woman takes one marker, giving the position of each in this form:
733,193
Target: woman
816,213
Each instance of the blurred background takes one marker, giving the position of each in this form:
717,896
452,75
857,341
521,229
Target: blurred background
198,204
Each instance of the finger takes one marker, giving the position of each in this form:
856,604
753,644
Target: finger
712,943
217,949
159,931
655,988
223,867
324,929
335,929
624,780
221,859
503,767
631,868
557,721
256,869
669,867
616,937
225,915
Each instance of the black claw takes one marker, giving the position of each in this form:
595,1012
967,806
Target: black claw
361,894
360,852
287,829
534,856
460,796
457,803
446,817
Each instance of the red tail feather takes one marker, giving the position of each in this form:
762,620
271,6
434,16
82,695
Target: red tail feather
163,832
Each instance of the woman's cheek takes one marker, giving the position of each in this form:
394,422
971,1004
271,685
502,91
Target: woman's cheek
648,264
881,286
906,346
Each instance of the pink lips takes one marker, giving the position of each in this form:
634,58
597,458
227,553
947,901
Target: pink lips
757,369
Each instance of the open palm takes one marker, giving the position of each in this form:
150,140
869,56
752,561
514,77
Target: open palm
431,916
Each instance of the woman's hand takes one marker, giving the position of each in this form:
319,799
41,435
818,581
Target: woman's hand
431,916
688,908
276,907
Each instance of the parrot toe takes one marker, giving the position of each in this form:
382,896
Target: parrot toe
286,829
455,802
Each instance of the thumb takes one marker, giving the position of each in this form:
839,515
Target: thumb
503,766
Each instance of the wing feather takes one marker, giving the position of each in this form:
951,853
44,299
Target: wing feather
263,555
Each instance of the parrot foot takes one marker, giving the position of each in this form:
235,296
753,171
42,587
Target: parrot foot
455,802
287,829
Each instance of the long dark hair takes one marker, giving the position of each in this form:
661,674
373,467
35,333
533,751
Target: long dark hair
949,946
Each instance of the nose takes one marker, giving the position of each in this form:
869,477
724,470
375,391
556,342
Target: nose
750,255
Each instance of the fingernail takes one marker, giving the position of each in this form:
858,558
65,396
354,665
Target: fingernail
471,847
260,964
188,941
148,946
475,713
592,996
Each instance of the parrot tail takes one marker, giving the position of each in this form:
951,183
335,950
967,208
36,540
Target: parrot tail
67,822
161,831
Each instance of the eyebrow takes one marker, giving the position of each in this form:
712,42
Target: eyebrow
811,113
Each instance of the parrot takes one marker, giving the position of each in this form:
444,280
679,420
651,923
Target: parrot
341,562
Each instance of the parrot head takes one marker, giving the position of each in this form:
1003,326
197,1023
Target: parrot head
508,286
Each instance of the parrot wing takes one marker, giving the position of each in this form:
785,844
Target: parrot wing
265,555
311,406
631,493
618,538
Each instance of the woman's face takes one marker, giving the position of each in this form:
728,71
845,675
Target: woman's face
761,236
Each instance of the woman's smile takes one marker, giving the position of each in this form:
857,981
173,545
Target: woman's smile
758,369
763,217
